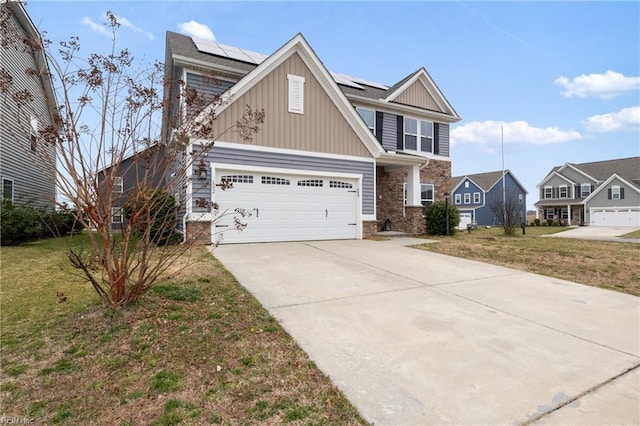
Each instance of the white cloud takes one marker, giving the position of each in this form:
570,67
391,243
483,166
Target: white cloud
627,119
95,26
606,86
126,23
488,134
196,29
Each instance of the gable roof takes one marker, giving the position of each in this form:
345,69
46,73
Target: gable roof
484,181
627,168
606,183
299,45
39,55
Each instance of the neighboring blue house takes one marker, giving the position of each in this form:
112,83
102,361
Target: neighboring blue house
473,195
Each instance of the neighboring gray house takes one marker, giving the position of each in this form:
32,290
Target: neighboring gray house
601,193
336,158
474,194
27,163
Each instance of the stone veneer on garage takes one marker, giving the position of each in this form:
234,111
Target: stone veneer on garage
390,195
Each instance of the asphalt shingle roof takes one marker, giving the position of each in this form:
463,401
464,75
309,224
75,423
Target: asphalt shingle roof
483,180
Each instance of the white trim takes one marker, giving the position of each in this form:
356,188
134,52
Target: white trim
358,109
550,175
180,60
383,106
188,175
607,182
215,167
261,148
295,93
457,199
13,188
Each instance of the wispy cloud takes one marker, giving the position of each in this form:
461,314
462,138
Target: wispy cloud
488,134
123,21
606,86
627,119
196,29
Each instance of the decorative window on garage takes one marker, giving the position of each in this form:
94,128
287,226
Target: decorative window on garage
271,180
238,178
311,182
339,184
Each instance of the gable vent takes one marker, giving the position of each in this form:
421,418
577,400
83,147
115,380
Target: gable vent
296,93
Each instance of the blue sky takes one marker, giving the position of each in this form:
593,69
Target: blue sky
561,78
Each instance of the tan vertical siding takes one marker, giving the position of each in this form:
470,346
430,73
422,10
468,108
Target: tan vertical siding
418,95
321,128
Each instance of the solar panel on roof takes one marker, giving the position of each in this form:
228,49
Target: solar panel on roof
344,80
369,83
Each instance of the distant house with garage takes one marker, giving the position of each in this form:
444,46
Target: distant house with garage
337,157
475,194
27,162
600,193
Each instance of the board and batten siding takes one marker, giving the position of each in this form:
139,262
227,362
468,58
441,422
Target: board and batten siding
244,157
32,173
418,95
322,127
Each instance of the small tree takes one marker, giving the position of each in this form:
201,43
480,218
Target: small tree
109,112
507,212
436,217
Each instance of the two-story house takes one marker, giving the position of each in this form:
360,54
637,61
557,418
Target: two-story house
601,193
477,195
336,156
27,107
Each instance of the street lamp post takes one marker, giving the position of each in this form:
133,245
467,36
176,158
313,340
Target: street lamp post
446,212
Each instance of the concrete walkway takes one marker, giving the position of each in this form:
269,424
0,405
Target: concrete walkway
418,338
601,233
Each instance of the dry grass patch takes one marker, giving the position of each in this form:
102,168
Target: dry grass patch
608,265
198,349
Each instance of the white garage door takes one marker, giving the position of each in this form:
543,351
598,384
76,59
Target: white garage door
616,217
286,207
465,219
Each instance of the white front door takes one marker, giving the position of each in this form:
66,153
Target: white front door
285,207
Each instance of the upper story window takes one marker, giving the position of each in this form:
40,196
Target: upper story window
117,184
116,215
476,198
585,190
467,198
33,133
615,192
418,135
369,117
466,184
520,198
7,189
458,199
296,93
564,191
548,192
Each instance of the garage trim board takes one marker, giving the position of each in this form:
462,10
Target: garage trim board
285,204
615,216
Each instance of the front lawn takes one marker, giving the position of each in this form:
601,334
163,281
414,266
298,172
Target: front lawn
197,350
604,264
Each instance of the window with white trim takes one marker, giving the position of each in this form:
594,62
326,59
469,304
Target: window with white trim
564,212
476,198
33,133
418,135
369,117
549,214
116,215
467,198
548,192
585,190
426,194
520,198
7,189
615,192
296,93
118,185
238,178
563,191
466,184
458,199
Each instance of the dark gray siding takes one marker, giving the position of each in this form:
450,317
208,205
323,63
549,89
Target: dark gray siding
291,161
443,139
208,88
390,132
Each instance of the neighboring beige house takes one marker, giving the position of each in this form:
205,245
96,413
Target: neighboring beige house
337,157
601,193
27,163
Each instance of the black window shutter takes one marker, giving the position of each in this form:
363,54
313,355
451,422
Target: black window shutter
379,120
592,188
622,193
436,138
400,121
609,193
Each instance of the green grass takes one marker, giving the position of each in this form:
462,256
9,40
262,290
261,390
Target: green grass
634,234
198,349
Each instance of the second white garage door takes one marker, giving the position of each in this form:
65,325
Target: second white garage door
286,207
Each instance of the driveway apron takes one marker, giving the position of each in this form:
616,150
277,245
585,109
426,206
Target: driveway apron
416,338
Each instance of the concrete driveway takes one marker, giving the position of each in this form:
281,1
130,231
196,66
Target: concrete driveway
418,338
603,233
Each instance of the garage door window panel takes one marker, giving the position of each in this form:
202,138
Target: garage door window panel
339,184
238,178
311,182
272,180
